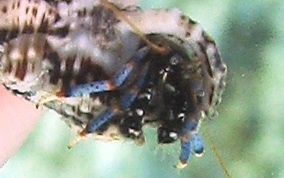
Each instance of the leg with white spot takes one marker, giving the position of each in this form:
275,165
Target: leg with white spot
190,140
131,124
125,102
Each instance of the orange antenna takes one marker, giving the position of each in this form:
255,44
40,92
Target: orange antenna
216,154
135,29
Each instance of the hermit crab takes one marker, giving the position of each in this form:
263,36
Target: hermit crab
110,68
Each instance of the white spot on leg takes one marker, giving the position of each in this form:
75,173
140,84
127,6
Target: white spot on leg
173,135
134,132
139,112
181,115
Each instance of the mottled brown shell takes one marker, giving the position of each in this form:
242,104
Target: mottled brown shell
40,55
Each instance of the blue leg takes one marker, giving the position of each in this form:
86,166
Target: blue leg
107,85
124,103
102,118
197,144
127,99
190,140
185,151
188,126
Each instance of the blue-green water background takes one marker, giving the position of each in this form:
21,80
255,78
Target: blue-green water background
248,134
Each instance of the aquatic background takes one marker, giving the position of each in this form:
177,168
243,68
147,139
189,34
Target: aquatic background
248,134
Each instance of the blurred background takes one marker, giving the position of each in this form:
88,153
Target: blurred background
248,133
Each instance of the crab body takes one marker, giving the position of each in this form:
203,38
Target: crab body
110,81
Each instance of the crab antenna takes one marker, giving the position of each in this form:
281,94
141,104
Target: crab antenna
216,154
135,29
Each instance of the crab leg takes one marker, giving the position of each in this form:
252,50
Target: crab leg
107,85
125,102
190,140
